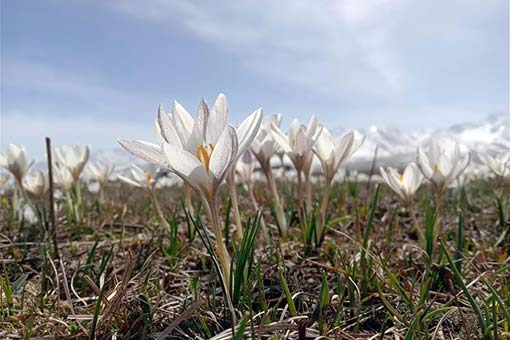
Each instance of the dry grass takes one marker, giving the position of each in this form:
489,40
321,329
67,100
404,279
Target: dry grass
121,276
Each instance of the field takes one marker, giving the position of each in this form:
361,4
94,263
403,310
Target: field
123,274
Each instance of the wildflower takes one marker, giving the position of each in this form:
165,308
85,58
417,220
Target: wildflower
405,184
499,164
36,184
263,147
332,154
72,157
442,164
17,161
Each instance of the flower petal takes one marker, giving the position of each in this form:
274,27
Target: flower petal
224,154
183,122
146,151
281,139
129,181
217,121
423,163
202,116
247,131
167,128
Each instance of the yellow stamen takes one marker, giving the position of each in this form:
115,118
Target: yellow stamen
401,178
148,176
204,155
436,168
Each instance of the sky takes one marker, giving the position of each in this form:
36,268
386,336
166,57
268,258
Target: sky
89,72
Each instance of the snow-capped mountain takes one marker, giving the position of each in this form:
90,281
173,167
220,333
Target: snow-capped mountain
396,147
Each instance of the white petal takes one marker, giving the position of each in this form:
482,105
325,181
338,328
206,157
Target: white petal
224,154
357,142
129,181
217,121
311,127
324,147
343,148
202,117
281,139
167,128
188,167
423,163
146,151
248,130
183,122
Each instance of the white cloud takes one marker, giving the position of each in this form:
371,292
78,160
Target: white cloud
31,129
324,46
336,48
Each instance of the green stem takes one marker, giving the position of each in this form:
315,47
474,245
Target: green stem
279,208
221,249
265,231
101,192
300,191
416,225
308,184
187,199
235,205
324,207
152,192
189,207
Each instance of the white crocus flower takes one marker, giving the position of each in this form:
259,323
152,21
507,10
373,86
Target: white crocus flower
197,137
245,168
17,161
299,141
36,184
205,169
332,153
73,157
443,163
102,173
405,184
139,178
63,177
499,165
146,180
180,129
298,145
201,152
263,148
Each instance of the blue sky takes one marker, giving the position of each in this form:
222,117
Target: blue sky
88,72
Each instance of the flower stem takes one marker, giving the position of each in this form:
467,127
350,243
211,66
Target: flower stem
101,192
187,199
300,196
152,192
308,184
235,205
190,208
265,231
324,207
221,249
211,207
279,208
416,225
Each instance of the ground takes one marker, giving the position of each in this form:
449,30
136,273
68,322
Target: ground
122,275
